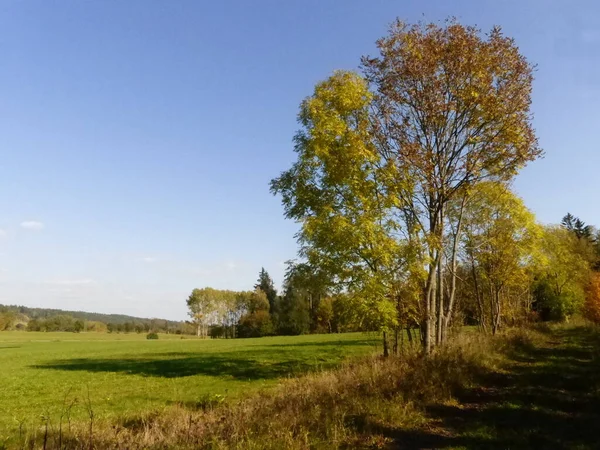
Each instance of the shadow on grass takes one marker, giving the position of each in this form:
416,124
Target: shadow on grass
548,398
247,364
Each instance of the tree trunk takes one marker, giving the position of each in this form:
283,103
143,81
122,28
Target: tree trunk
426,329
452,293
440,281
386,351
497,311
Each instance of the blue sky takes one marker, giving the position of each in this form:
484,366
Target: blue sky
137,138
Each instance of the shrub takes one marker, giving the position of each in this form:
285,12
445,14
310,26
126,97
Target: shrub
255,324
152,335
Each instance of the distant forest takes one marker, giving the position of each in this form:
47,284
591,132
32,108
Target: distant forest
15,317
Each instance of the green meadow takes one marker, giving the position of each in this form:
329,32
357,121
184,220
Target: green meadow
48,375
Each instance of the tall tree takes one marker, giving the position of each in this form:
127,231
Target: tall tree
265,284
381,158
204,309
578,227
333,190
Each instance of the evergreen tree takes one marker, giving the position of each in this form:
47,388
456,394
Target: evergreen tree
265,284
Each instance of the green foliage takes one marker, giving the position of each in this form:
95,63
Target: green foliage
45,313
7,320
152,336
256,324
380,159
500,240
332,189
563,275
293,313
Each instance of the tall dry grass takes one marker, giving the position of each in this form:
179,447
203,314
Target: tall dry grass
357,405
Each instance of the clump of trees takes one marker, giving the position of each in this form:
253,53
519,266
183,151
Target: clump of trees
388,161
308,304
402,190
56,323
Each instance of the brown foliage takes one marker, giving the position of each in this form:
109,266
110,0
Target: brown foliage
592,299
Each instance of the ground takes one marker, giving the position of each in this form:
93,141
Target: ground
541,391
544,396
43,374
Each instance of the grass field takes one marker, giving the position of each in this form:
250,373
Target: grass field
43,373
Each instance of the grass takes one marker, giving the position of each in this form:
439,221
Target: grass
44,373
545,394
363,404
524,389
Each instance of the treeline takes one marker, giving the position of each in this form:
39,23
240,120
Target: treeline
307,305
510,270
44,313
14,317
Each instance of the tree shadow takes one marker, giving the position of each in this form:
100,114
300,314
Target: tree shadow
247,364
547,398
365,343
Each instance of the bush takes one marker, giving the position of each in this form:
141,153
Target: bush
152,336
255,324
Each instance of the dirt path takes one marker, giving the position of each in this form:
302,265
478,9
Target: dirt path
545,397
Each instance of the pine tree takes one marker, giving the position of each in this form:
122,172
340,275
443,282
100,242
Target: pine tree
265,284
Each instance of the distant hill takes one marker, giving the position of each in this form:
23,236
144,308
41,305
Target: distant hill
118,319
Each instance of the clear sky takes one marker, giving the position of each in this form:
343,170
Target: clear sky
137,138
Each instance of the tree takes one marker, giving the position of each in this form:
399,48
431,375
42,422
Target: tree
265,284
333,190
592,299
7,319
254,301
578,227
500,238
203,309
293,312
256,324
559,290
256,320
304,288
381,158
325,315
78,326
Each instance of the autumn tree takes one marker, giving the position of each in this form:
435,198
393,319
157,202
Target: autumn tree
560,287
499,246
381,157
333,190
591,308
